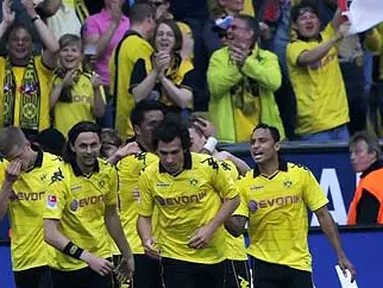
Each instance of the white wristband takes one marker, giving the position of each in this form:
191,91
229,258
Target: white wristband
210,144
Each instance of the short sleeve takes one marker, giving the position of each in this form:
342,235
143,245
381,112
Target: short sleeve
313,195
91,27
138,75
188,81
56,196
328,32
145,206
294,50
243,208
42,68
221,181
111,197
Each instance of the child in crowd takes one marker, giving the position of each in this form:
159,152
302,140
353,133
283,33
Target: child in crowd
77,93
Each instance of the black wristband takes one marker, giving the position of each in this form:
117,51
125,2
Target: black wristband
73,250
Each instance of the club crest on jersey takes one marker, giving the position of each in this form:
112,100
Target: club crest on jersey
193,182
52,201
287,184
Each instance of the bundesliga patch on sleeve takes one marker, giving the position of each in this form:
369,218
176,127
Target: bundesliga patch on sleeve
52,201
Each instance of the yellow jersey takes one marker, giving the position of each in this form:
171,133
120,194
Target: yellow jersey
276,207
129,169
235,246
28,248
44,76
319,88
78,202
81,107
131,48
181,74
186,202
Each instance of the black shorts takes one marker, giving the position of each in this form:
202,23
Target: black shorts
270,275
147,272
177,273
237,274
82,278
38,277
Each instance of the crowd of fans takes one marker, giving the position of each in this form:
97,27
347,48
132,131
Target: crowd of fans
67,61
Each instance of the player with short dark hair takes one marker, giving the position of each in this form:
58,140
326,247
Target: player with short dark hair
81,211
145,117
193,196
275,197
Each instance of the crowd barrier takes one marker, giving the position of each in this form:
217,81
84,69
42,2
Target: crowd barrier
331,165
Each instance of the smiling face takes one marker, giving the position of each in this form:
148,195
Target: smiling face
307,25
239,33
71,55
19,44
164,39
87,148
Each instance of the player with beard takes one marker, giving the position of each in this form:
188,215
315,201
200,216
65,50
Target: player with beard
80,211
275,197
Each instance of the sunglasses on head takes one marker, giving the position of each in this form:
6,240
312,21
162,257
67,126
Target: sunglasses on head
305,10
156,4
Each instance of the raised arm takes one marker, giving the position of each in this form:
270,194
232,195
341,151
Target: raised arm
101,41
46,36
8,17
308,57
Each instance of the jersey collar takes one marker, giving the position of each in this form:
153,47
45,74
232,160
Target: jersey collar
374,166
77,171
282,167
39,159
187,164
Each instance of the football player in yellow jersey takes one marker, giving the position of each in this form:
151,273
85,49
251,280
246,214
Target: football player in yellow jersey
80,211
237,269
275,199
146,115
24,184
194,197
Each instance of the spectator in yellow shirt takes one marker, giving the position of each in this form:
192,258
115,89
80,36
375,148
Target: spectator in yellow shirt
312,59
77,93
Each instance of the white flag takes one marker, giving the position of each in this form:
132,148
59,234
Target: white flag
364,14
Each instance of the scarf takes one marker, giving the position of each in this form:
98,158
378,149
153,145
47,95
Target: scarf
29,96
244,93
81,10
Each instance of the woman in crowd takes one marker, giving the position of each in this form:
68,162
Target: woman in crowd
165,76
102,32
77,93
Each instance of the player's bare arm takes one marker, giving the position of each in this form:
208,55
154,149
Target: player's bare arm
235,225
328,226
55,238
